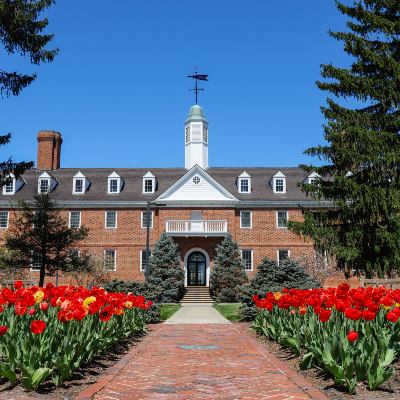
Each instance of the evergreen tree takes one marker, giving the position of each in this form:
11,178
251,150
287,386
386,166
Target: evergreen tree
39,232
21,33
228,273
165,276
271,277
362,153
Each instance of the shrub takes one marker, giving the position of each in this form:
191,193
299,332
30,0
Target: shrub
271,277
228,274
165,281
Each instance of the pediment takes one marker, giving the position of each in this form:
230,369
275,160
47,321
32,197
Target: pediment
196,186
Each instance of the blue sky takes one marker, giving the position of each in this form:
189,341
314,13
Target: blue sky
119,95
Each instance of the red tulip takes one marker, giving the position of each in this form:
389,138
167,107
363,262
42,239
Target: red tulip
44,306
37,326
392,316
105,314
368,315
352,313
352,336
18,285
325,315
3,330
32,311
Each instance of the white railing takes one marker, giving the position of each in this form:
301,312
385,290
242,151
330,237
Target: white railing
205,227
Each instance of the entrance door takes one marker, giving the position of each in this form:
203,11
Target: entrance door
196,269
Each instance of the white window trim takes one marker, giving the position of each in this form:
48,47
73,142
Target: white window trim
31,269
118,185
240,184
284,185
115,260
80,219
251,219
14,182
116,220
252,259
8,219
153,185
40,182
277,220
151,219
141,259
83,185
277,254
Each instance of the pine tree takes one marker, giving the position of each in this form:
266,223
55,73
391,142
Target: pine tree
271,277
39,232
228,273
165,277
21,33
362,153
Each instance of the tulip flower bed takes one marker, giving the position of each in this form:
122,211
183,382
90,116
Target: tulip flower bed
47,333
352,334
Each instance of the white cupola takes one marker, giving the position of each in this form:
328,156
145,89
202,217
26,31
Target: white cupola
196,138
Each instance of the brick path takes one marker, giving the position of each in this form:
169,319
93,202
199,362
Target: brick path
201,362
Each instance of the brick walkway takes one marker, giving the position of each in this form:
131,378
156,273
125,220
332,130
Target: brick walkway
200,362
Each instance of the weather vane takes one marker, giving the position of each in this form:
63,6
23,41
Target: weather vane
198,77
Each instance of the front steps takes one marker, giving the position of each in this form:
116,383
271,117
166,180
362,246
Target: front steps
197,294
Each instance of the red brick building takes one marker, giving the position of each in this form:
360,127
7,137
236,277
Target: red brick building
196,205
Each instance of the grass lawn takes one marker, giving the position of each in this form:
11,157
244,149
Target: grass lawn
229,310
166,310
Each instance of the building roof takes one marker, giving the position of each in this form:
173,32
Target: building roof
261,180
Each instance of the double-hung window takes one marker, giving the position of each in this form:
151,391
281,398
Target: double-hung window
113,186
75,219
44,185
3,219
144,219
245,219
110,258
281,219
143,259
247,257
111,219
282,255
148,186
78,186
36,261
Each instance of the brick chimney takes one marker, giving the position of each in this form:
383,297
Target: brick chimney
49,150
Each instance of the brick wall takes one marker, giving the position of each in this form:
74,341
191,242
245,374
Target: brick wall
264,238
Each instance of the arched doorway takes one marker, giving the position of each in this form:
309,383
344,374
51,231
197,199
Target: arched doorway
196,269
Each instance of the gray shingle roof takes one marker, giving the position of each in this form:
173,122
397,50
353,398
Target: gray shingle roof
132,188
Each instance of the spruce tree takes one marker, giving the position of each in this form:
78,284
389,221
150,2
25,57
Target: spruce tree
271,277
21,32
39,232
165,276
228,273
360,175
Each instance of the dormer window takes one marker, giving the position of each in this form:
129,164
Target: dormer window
80,183
244,182
149,183
46,183
279,182
312,178
9,186
114,183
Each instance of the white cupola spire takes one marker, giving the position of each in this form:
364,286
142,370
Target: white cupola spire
196,138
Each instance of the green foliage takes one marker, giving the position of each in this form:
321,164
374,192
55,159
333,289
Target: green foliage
228,273
362,154
167,310
271,277
40,231
137,288
165,276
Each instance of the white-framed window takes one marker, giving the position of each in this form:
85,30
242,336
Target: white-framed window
78,185
9,186
110,260
143,259
110,219
247,257
246,219
74,219
149,183
144,219
44,185
114,183
3,219
279,182
282,218
312,178
282,255
244,182
36,261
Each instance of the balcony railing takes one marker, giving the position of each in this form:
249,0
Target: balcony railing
196,228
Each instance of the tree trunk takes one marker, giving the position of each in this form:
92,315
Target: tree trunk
42,275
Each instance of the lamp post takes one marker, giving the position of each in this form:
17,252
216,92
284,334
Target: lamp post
148,216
